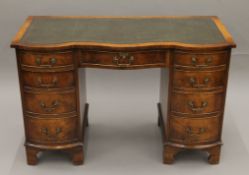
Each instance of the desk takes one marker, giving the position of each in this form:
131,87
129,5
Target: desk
192,52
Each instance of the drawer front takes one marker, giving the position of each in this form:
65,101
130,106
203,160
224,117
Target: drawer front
48,80
196,103
189,60
123,59
49,102
199,79
51,130
194,130
46,60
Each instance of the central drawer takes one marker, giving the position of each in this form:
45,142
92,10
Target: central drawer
49,102
52,130
154,58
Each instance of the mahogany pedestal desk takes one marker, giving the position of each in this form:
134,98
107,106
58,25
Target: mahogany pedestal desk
193,54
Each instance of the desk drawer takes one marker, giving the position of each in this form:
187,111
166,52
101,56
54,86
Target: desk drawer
51,130
196,103
194,130
123,59
48,79
200,60
46,60
199,79
50,102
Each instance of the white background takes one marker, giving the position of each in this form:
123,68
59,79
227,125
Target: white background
123,103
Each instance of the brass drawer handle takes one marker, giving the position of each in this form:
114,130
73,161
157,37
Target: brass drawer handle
58,131
202,130
123,56
190,131
49,85
194,61
51,108
194,84
193,107
45,131
52,62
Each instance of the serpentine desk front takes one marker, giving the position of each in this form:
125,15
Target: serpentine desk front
192,52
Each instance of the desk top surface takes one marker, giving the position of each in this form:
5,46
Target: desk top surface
122,31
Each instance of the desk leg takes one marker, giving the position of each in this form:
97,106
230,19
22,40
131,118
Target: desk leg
214,154
77,155
31,154
169,154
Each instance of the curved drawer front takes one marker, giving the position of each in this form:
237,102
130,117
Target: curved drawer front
194,130
51,130
123,59
48,80
200,60
196,103
46,60
49,102
194,80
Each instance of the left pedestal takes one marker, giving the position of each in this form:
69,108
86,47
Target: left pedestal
51,103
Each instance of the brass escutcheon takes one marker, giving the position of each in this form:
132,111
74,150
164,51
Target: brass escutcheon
123,56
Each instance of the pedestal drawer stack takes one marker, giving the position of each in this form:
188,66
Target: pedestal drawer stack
49,98
197,101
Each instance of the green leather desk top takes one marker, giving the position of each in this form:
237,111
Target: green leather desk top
57,30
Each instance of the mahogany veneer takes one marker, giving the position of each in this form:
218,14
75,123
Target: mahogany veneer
193,54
